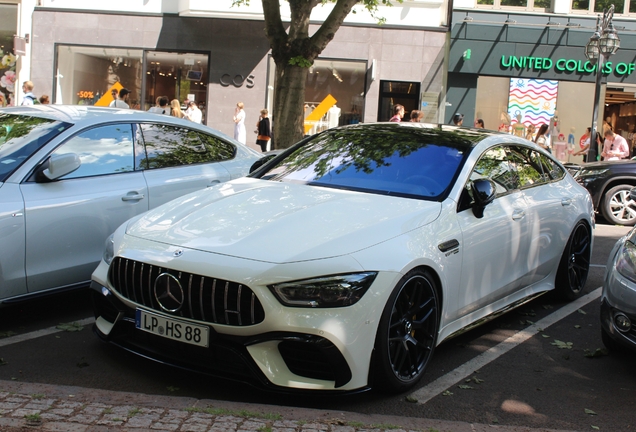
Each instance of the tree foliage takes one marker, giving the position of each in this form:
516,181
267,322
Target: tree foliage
294,51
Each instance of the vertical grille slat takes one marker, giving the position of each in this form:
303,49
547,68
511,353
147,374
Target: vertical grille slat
231,304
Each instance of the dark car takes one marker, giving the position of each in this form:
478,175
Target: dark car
609,184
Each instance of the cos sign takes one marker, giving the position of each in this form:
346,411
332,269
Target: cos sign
238,80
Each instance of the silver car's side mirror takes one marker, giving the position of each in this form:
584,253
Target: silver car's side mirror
61,164
632,194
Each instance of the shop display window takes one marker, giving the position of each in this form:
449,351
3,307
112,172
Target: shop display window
340,84
516,4
8,26
86,75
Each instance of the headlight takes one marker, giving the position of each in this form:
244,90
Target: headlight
109,250
590,172
324,292
626,262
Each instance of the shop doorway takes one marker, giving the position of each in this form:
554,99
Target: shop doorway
398,92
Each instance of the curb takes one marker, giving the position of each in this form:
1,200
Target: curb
55,408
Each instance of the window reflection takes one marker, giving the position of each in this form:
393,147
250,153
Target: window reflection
385,159
102,150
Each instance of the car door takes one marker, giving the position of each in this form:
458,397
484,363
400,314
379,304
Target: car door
68,220
181,160
549,205
495,246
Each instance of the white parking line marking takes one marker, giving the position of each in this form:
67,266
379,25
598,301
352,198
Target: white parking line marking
433,389
39,333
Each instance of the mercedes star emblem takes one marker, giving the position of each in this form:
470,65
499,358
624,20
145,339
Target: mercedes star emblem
169,292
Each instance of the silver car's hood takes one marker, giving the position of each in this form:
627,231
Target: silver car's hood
281,222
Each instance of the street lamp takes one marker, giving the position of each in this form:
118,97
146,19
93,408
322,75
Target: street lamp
603,44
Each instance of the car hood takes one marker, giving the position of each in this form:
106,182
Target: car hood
281,222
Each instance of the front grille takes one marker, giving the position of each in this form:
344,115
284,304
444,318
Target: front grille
204,298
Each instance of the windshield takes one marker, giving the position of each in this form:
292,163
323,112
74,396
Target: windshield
382,159
21,136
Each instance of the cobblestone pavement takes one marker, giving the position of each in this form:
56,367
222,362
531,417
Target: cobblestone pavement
40,407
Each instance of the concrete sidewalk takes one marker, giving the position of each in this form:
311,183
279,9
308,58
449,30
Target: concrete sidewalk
41,407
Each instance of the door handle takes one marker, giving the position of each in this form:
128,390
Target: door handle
518,214
132,197
214,183
566,201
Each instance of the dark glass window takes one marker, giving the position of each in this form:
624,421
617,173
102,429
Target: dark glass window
21,136
518,3
102,150
551,168
600,5
386,159
527,163
169,146
581,5
495,165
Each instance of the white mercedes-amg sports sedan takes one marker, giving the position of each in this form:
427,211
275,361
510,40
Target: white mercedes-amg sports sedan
344,261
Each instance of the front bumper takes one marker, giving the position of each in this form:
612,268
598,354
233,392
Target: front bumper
228,356
297,349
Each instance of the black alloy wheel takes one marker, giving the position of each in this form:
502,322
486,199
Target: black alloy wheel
575,263
407,333
617,206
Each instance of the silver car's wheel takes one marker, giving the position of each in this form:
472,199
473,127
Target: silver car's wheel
617,207
407,332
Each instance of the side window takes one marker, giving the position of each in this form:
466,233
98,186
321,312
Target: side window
495,165
170,146
528,166
551,169
102,150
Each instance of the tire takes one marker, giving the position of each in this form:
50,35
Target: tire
575,263
617,207
407,333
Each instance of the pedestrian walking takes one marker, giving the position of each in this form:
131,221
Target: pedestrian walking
239,123
264,130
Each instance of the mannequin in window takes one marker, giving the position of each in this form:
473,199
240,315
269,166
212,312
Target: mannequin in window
333,116
519,129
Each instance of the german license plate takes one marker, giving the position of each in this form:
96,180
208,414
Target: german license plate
170,328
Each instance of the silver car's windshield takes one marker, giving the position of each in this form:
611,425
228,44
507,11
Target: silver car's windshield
21,136
419,163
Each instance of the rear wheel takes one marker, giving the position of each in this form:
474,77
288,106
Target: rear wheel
407,332
575,263
617,207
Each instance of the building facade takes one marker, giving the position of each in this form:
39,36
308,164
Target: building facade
519,64
218,55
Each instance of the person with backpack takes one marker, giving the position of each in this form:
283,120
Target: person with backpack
29,97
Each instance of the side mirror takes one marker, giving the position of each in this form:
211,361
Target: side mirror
484,191
266,158
60,165
632,194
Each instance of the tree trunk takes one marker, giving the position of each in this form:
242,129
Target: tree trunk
289,100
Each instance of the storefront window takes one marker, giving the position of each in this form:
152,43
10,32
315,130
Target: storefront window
338,85
8,28
178,76
86,75
516,4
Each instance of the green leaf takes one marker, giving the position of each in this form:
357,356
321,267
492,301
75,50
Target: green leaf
2,362
447,393
577,326
595,427
545,336
562,345
589,412
465,387
581,311
70,327
300,61
411,399
598,352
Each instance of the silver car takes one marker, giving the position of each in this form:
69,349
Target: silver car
618,305
70,175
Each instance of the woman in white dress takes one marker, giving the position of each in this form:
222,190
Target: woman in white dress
239,124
